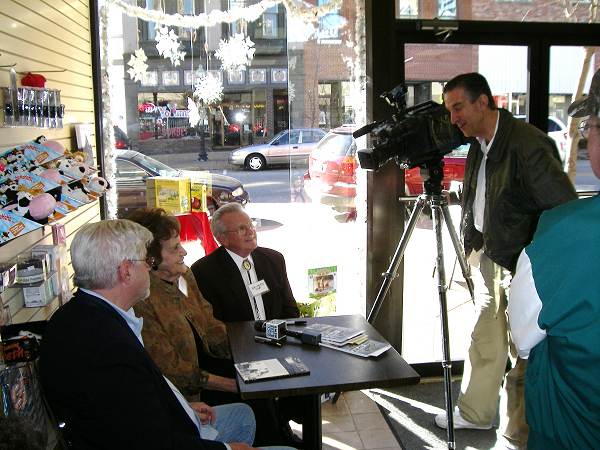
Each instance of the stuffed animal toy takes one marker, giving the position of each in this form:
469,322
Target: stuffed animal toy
95,186
72,168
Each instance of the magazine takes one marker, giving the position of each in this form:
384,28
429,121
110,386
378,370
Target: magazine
268,369
367,349
334,334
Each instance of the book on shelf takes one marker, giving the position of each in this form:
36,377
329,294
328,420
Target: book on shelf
366,349
268,369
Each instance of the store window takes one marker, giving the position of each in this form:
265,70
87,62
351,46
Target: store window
195,115
494,10
408,8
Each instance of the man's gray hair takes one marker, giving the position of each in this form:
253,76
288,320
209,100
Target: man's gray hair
216,225
98,248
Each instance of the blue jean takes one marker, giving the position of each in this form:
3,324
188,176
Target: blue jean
235,423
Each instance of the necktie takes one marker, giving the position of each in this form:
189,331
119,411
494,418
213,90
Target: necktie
247,265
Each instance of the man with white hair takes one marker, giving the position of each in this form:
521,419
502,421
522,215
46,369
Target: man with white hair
96,374
554,311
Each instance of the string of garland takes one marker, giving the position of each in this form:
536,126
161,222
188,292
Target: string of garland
108,134
296,8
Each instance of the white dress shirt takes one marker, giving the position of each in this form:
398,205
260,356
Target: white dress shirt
479,203
250,277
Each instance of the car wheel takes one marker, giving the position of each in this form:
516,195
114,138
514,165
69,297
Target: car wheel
255,162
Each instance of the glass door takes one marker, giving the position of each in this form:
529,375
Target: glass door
427,68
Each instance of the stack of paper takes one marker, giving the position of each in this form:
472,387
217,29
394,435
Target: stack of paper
349,340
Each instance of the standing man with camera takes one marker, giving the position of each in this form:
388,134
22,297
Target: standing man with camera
513,173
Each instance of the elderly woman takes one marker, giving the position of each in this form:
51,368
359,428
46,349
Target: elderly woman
179,327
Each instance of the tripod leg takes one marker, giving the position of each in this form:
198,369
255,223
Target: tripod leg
390,273
436,209
460,255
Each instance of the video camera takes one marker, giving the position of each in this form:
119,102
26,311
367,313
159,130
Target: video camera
417,136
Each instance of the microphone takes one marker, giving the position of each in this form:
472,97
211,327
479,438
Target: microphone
277,330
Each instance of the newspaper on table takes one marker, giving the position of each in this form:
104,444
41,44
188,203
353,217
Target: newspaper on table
335,335
369,348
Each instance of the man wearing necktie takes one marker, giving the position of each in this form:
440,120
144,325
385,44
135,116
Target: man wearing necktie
241,280
245,282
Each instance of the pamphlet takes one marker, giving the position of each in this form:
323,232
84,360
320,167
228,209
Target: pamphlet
367,349
334,334
268,369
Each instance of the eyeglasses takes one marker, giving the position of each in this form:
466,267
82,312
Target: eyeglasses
584,128
242,230
150,260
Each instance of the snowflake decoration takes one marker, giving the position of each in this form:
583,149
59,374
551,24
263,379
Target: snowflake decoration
291,92
167,44
237,53
138,65
194,117
209,89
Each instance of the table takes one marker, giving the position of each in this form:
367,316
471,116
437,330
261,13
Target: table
330,370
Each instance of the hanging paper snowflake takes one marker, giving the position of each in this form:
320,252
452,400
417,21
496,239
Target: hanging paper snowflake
138,65
194,117
237,53
167,44
209,89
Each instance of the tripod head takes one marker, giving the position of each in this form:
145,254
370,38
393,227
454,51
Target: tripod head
433,175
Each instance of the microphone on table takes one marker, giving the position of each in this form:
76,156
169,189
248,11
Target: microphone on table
277,331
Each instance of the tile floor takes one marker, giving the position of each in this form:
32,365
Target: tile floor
354,422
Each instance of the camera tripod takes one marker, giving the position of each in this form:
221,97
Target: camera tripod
439,207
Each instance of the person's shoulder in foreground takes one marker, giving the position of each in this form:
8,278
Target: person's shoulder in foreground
554,311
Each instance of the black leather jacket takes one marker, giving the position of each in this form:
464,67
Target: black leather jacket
524,177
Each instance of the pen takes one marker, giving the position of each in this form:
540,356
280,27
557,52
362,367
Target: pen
295,322
265,340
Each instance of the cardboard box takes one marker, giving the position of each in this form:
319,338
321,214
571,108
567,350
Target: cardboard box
39,294
56,254
199,190
170,193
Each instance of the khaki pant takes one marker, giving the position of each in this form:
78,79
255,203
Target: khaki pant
486,364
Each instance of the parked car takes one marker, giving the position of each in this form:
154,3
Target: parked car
332,168
287,146
121,138
133,168
454,171
557,130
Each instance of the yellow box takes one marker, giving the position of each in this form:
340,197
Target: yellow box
170,193
200,188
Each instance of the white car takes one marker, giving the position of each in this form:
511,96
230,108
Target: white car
288,146
557,130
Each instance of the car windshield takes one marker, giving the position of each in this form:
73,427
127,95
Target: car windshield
334,145
277,136
155,166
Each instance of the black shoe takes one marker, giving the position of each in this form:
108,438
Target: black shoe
289,437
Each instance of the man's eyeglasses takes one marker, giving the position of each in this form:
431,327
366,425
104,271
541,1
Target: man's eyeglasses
150,260
242,230
584,128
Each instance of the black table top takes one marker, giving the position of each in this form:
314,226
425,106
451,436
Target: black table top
330,370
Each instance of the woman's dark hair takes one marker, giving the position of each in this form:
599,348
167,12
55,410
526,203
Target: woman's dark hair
161,224
474,84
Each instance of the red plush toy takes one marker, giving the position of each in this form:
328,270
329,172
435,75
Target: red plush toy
33,80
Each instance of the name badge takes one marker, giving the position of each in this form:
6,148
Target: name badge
259,288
